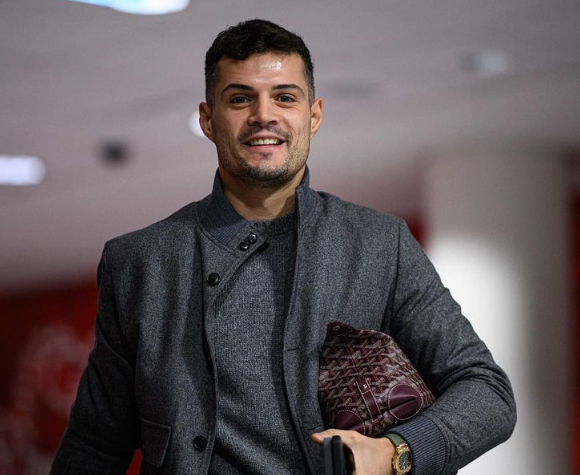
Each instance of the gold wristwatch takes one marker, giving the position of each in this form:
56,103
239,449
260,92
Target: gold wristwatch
402,460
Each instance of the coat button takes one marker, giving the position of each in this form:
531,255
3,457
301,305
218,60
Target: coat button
252,238
244,245
213,279
200,443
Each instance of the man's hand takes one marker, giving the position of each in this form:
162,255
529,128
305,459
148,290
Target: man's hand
371,456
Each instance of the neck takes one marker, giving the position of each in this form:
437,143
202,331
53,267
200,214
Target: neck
261,204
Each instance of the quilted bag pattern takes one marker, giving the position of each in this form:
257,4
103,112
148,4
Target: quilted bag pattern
366,383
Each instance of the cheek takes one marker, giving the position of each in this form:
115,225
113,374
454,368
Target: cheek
226,133
305,131
223,123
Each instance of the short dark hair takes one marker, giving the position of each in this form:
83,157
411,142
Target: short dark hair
254,37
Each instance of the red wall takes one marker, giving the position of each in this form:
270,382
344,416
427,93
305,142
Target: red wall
45,339
575,320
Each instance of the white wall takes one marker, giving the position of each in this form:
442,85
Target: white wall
497,235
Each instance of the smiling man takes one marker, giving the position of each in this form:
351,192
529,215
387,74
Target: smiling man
210,322
261,115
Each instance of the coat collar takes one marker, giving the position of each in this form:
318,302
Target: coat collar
223,222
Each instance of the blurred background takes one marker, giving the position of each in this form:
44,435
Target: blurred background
461,116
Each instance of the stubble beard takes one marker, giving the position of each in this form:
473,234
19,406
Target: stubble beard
263,175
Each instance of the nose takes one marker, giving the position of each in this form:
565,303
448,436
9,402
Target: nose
263,112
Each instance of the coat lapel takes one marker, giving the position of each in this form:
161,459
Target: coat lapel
303,338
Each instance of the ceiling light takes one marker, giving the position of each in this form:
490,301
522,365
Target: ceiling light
194,125
21,171
487,63
140,7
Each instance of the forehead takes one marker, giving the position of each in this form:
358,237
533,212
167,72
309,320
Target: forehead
262,70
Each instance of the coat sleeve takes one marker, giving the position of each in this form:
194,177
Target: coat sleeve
475,408
102,432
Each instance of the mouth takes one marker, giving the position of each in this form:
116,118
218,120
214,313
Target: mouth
264,141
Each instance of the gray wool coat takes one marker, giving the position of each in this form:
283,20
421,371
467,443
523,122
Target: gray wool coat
149,381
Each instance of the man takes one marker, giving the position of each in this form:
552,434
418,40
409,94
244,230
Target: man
210,322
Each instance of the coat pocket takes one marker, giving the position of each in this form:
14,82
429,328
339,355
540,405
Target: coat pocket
155,442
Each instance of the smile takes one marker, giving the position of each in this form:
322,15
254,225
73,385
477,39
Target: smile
268,141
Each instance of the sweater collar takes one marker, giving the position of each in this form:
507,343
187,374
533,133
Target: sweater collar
224,223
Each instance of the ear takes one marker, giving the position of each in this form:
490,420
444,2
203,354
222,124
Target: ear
205,120
316,113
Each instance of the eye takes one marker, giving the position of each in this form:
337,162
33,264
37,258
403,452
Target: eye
239,100
286,98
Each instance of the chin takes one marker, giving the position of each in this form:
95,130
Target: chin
265,177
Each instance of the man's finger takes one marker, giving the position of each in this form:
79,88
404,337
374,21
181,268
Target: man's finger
320,436
345,435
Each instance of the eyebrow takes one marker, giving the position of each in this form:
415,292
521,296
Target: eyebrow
245,87
288,86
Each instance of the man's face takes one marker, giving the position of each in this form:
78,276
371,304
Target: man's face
261,121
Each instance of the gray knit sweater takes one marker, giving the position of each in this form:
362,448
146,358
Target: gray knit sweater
254,432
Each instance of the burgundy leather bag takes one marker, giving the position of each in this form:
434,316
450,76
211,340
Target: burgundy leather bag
366,383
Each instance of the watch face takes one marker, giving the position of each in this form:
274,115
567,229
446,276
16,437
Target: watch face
405,461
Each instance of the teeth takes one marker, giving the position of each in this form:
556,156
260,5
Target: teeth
265,142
